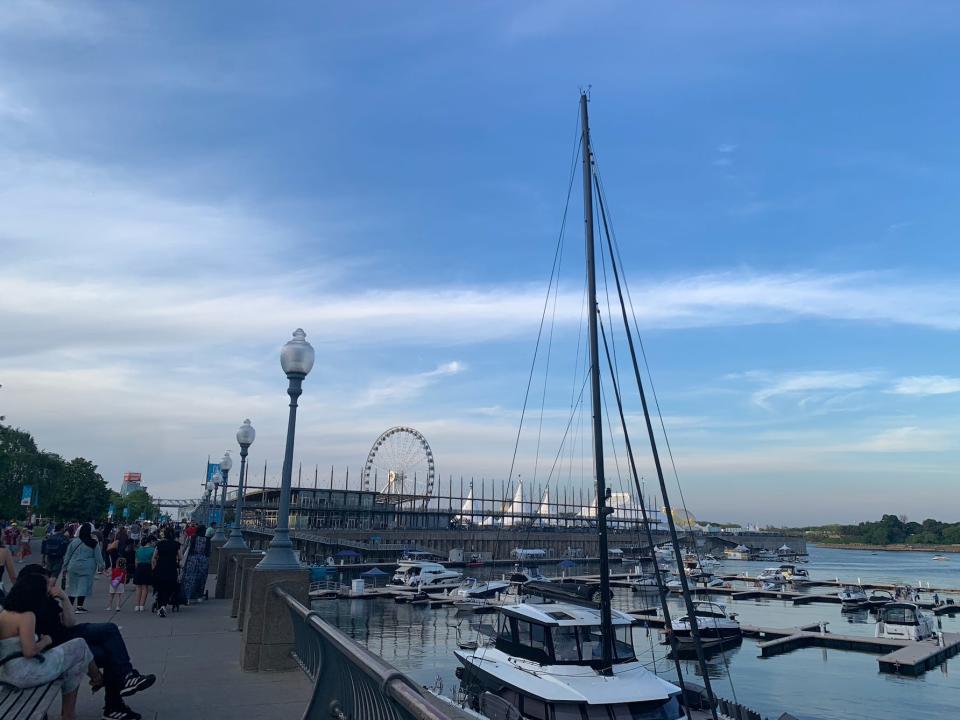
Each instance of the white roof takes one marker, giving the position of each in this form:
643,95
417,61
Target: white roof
630,682
564,614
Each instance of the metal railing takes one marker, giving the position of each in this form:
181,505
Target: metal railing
350,682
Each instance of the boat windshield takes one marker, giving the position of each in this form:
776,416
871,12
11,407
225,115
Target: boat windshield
900,616
582,643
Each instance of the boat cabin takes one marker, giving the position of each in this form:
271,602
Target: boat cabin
560,633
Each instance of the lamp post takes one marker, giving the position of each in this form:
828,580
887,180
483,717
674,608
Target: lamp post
296,359
215,481
225,464
245,437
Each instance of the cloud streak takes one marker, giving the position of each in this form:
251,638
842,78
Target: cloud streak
923,385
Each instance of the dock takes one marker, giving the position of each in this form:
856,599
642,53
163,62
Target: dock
904,657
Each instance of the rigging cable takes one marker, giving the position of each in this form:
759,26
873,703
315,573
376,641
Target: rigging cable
691,613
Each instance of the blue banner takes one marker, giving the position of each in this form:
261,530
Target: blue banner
126,512
215,515
111,511
27,497
212,469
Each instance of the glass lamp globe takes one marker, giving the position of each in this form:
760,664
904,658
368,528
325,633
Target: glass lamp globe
246,434
296,357
226,463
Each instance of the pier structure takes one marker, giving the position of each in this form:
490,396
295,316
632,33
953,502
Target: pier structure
380,527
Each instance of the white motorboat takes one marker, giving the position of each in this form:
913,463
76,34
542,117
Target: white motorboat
853,597
794,574
771,579
473,589
904,621
546,662
423,574
522,575
716,625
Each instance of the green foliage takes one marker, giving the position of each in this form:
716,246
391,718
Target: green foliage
71,490
889,530
138,502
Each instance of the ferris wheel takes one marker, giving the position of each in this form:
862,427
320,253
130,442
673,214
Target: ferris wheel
400,467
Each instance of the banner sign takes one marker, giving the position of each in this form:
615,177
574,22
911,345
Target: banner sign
215,515
27,497
111,511
212,469
126,512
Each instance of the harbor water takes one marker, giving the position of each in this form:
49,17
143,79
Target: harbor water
809,683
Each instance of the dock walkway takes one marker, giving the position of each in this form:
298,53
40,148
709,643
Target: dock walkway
195,655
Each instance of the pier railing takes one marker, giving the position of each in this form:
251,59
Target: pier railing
350,682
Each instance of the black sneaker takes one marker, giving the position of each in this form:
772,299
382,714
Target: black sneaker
80,609
134,682
121,713
162,612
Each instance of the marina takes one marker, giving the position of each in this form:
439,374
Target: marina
415,638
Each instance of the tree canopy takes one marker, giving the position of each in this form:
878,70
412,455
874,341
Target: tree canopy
889,530
66,490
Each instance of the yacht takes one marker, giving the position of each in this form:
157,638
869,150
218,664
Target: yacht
423,574
522,575
771,579
716,625
794,574
852,597
904,621
473,589
546,662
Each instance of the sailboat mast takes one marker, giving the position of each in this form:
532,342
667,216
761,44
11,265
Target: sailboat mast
606,620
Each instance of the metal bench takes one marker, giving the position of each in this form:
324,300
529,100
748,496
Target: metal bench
27,703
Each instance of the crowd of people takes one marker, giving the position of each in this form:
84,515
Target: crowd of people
40,637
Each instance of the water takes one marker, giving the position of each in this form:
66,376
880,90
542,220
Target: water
811,683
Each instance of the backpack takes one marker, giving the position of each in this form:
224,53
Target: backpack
56,546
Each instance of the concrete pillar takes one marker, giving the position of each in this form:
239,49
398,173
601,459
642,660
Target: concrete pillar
245,566
267,629
215,546
226,571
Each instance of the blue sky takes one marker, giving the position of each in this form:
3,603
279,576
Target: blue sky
184,184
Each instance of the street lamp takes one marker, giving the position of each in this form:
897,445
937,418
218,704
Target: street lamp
207,499
296,359
216,480
245,437
225,464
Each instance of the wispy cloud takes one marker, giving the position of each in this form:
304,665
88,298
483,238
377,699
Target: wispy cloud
805,385
908,439
401,388
927,385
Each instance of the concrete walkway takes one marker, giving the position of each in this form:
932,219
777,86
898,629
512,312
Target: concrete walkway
195,655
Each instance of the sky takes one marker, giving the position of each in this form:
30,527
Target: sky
184,184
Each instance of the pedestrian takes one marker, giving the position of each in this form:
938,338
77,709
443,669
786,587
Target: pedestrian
83,560
56,549
143,571
26,536
196,566
55,617
166,568
6,564
118,584
23,665
212,530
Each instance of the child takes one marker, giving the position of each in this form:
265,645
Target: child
118,579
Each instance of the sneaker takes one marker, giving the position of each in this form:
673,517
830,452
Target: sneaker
81,609
134,682
162,612
121,712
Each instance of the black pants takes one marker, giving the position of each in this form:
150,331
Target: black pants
109,652
165,589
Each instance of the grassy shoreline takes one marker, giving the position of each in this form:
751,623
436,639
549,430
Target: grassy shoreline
890,548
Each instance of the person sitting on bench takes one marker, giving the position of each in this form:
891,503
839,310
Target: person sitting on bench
55,618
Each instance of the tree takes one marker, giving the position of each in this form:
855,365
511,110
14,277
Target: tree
81,494
136,503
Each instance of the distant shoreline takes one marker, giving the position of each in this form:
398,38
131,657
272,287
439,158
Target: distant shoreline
890,548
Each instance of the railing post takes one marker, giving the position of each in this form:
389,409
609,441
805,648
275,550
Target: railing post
268,637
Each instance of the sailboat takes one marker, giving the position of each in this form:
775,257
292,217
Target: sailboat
567,659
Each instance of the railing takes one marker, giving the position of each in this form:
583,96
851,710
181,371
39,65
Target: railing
350,682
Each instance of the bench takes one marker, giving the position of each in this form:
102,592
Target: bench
27,703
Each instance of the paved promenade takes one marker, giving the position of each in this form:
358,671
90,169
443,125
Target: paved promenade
195,655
